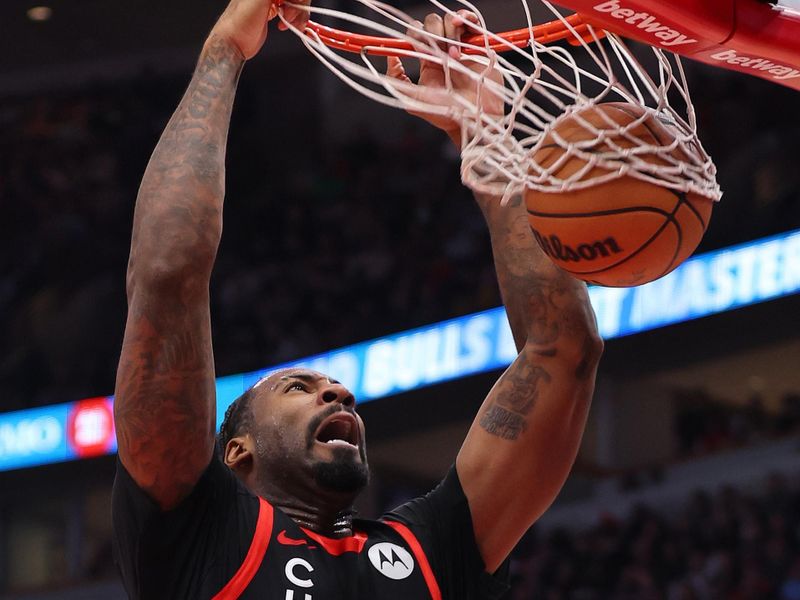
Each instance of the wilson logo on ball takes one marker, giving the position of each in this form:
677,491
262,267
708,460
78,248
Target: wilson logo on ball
556,249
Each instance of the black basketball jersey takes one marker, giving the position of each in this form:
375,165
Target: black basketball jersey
381,560
223,543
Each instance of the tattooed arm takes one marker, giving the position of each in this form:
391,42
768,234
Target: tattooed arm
525,437
518,261
165,400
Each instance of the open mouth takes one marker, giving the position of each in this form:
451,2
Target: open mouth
340,429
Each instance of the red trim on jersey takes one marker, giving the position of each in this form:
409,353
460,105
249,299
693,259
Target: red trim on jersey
419,554
338,546
258,548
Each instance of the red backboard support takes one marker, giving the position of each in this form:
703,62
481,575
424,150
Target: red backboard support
742,35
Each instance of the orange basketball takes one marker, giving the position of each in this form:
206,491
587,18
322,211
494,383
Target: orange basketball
624,232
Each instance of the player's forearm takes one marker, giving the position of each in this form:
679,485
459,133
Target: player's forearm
526,435
178,218
545,306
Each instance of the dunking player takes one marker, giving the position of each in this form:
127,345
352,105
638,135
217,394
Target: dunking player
272,519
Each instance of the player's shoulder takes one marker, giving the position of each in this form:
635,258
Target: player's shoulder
440,502
384,527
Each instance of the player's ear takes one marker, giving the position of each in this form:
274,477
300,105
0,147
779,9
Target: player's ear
239,454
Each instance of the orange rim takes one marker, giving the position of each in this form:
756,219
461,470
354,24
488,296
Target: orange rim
545,33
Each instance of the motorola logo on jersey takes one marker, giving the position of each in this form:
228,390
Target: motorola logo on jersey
391,560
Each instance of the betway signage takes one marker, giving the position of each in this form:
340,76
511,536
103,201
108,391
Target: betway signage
647,24
777,71
757,38
704,285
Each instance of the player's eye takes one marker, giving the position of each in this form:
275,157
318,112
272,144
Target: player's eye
296,386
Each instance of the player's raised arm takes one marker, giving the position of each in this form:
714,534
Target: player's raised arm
526,435
524,440
165,400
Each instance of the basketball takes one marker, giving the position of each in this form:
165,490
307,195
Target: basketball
623,232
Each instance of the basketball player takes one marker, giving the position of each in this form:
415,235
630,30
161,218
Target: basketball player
269,516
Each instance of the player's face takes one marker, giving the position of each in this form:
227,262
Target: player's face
308,432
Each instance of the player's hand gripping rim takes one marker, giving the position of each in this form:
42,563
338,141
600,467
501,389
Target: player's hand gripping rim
244,23
432,86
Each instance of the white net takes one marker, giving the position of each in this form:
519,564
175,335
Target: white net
541,86
792,6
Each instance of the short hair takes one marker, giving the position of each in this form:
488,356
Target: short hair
238,419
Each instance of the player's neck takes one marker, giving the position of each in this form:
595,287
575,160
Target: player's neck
325,512
330,524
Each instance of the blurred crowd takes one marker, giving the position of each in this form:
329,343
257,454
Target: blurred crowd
705,424
729,545
325,244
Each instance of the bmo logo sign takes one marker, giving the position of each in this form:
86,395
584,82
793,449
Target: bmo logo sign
39,435
53,434
32,437
90,427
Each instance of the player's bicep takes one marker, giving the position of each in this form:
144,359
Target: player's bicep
164,403
522,445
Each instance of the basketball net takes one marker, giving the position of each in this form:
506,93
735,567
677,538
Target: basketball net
542,86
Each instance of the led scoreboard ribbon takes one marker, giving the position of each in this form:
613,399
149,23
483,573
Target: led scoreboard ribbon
704,285
707,284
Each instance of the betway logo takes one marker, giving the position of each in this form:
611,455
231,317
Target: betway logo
779,72
646,22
